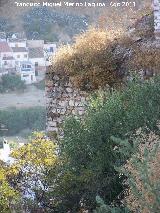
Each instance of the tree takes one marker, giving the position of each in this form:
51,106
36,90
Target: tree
5,24
17,120
9,197
12,82
32,163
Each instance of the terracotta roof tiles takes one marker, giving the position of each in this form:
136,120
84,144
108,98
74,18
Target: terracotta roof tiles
4,47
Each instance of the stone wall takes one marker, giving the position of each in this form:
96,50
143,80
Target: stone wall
63,100
156,5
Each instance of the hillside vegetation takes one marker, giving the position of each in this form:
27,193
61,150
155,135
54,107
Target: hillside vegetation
61,24
16,120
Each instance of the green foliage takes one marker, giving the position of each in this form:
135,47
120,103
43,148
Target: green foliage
11,82
9,197
5,25
27,175
90,154
20,119
1,88
103,208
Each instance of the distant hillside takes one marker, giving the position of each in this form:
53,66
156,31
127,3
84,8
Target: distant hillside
61,24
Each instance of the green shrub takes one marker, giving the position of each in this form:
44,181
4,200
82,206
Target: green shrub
19,119
40,85
1,88
103,208
91,154
12,82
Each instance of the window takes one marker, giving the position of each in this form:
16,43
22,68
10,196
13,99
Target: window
25,75
18,56
5,62
51,49
24,66
36,64
25,56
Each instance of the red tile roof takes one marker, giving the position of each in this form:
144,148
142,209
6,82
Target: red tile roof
4,47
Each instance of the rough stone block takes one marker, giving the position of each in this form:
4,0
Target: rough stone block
69,89
71,103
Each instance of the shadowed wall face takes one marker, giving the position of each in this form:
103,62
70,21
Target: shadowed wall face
63,100
156,5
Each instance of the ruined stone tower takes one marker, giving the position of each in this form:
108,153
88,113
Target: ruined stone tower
64,100
156,7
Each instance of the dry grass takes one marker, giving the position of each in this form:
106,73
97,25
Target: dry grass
101,57
145,57
92,61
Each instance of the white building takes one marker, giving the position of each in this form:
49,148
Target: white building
17,42
27,71
7,61
49,50
36,56
20,53
35,43
5,152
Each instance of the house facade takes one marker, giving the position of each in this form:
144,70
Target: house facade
35,43
17,42
27,71
16,52
36,56
49,50
7,61
20,53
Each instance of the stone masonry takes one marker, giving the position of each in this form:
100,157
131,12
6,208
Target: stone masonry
156,6
63,100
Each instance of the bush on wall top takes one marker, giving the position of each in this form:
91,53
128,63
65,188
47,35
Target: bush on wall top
93,61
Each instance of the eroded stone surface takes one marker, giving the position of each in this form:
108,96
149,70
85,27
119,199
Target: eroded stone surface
62,100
